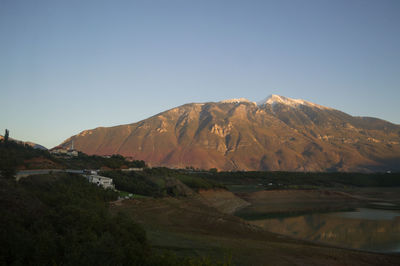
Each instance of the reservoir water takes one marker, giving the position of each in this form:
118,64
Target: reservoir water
364,228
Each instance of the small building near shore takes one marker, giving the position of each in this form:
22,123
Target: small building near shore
60,151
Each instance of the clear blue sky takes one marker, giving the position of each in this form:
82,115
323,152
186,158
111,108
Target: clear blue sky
67,66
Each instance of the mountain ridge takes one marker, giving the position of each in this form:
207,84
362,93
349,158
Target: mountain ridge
237,134
29,143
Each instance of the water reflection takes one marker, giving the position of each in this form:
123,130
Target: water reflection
367,229
368,214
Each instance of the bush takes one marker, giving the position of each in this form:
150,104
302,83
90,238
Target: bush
134,183
63,219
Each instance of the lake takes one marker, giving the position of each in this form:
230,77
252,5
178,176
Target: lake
364,228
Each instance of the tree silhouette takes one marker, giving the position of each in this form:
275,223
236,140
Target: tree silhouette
6,135
8,161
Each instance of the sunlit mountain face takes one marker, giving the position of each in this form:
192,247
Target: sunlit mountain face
277,133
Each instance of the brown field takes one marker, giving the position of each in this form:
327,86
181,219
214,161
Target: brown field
296,201
192,226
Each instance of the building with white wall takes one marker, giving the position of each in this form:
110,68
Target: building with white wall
102,181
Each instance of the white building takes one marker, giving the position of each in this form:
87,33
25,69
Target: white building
103,181
64,152
59,150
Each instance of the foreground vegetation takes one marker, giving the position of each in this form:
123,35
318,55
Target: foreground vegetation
84,161
159,182
154,182
304,180
252,180
61,219
14,155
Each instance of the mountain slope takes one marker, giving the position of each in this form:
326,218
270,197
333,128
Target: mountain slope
31,144
278,133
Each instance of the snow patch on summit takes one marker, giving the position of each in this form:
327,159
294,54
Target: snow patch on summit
240,100
276,99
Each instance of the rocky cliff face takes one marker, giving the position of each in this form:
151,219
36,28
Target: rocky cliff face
278,133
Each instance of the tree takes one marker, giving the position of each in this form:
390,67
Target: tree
8,166
213,170
8,161
6,135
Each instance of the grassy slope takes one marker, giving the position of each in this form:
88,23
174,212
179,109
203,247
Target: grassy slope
192,226
189,227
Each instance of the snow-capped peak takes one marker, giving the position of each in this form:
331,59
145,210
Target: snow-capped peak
274,99
277,99
240,100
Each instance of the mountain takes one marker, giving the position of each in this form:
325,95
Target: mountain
33,145
278,133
